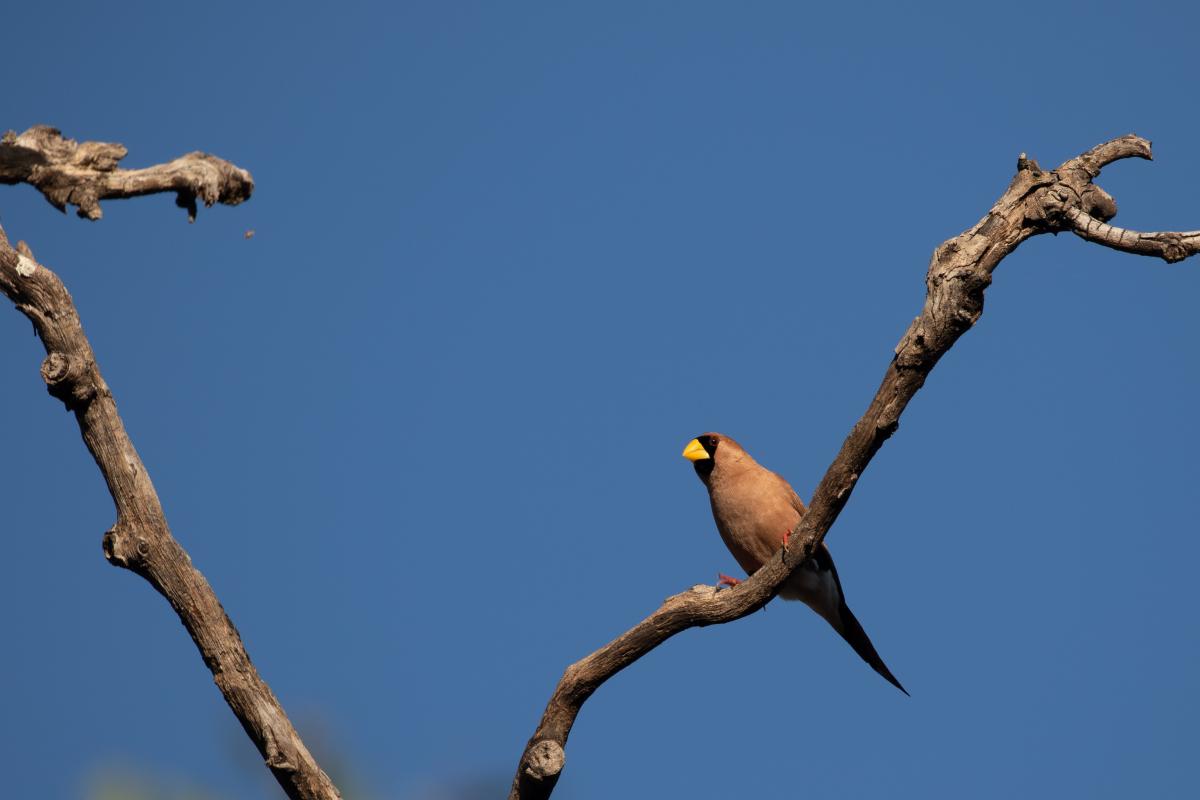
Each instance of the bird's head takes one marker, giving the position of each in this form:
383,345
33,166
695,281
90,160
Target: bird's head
710,451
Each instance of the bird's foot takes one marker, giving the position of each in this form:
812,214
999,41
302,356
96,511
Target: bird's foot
726,580
786,536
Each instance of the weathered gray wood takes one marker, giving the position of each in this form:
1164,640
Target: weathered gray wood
961,269
140,540
69,173
1170,246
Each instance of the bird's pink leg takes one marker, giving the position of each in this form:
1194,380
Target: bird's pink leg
786,535
725,580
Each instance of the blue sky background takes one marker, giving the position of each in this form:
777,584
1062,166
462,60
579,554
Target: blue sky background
422,432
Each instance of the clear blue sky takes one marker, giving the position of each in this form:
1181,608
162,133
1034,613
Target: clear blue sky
422,432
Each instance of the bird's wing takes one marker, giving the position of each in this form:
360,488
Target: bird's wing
797,503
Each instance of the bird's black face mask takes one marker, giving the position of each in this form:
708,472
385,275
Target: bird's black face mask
702,452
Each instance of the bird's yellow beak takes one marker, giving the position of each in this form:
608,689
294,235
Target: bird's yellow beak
695,451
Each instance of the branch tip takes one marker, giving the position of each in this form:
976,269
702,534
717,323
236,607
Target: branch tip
1128,146
69,173
1170,246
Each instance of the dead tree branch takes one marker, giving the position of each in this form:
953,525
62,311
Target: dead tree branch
961,269
1170,246
140,540
82,175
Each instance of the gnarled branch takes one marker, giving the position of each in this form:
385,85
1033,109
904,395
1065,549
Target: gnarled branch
82,175
140,540
961,269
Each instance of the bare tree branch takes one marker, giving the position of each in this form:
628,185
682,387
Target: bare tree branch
1171,246
961,269
140,540
82,175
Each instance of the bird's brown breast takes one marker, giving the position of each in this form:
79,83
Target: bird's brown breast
753,509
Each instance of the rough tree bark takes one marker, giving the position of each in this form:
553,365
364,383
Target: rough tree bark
82,175
140,540
1036,201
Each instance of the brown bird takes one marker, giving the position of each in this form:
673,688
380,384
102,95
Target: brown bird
755,511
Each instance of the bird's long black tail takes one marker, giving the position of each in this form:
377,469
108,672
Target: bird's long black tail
852,631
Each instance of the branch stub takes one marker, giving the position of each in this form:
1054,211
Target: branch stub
66,379
55,368
122,549
545,760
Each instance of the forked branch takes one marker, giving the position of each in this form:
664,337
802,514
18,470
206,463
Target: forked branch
961,269
140,540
